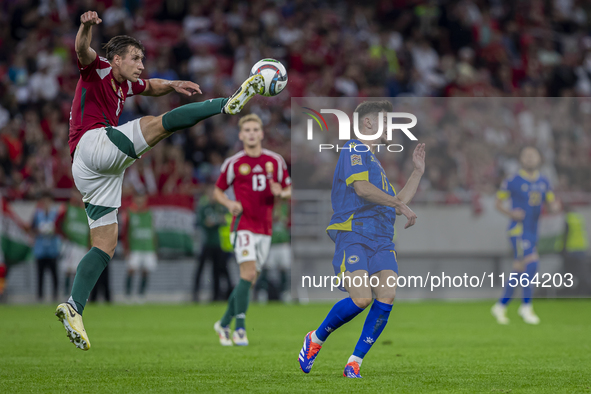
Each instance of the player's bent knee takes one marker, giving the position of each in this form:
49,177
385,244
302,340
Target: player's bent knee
386,300
362,302
386,294
153,130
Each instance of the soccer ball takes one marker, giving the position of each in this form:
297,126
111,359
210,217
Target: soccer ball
274,75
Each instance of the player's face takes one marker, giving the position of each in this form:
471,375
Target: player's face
251,134
131,65
530,159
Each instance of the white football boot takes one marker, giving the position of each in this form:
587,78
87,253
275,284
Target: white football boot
223,334
526,311
499,311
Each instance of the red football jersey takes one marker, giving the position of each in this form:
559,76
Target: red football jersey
99,99
250,177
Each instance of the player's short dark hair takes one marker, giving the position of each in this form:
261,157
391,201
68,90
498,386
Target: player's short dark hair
119,45
370,107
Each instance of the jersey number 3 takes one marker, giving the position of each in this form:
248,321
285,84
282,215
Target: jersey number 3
259,183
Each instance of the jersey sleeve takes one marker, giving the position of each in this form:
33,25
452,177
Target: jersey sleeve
284,178
504,191
549,196
134,88
86,72
226,177
355,166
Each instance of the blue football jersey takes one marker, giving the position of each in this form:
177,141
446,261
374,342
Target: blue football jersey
351,212
526,193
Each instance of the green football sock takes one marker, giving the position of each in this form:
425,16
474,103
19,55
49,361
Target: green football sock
241,300
90,268
229,315
128,283
188,115
143,284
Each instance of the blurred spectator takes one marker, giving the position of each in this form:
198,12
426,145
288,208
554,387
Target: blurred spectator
46,248
139,238
211,216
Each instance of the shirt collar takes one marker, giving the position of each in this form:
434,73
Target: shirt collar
528,177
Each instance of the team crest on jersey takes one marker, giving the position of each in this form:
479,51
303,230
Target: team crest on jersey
244,169
269,166
524,187
353,259
356,160
257,168
245,252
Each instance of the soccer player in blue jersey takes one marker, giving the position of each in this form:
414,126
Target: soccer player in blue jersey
362,226
527,191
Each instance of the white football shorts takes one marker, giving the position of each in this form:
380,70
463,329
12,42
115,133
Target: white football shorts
100,160
146,261
249,246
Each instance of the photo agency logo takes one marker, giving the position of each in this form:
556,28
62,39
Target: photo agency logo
345,129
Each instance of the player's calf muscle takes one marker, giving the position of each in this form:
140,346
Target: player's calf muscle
105,238
248,271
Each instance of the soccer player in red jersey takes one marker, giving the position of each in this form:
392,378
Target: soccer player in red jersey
258,177
102,149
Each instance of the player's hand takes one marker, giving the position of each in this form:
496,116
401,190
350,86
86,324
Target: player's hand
518,214
410,215
235,208
276,188
418,158
90,18
187,88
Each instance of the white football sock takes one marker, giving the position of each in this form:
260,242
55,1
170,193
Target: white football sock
355,358
315,338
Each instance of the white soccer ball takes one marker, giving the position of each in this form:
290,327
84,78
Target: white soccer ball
274,75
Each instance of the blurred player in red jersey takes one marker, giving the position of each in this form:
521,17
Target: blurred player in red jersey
102,149
258,177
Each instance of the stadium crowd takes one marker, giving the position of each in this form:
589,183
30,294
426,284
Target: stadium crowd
468,48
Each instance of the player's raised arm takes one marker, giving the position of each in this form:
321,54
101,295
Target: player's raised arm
160,87
369,192
85,53
418,159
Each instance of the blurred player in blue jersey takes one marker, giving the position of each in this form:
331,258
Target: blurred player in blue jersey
362,226
527,191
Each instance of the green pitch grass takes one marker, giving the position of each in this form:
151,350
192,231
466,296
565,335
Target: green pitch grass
426,347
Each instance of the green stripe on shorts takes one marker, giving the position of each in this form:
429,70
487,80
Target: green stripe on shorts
121,141
96,212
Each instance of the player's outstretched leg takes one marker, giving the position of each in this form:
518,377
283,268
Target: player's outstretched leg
375,322
252,86
526,310
341,313
156,128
